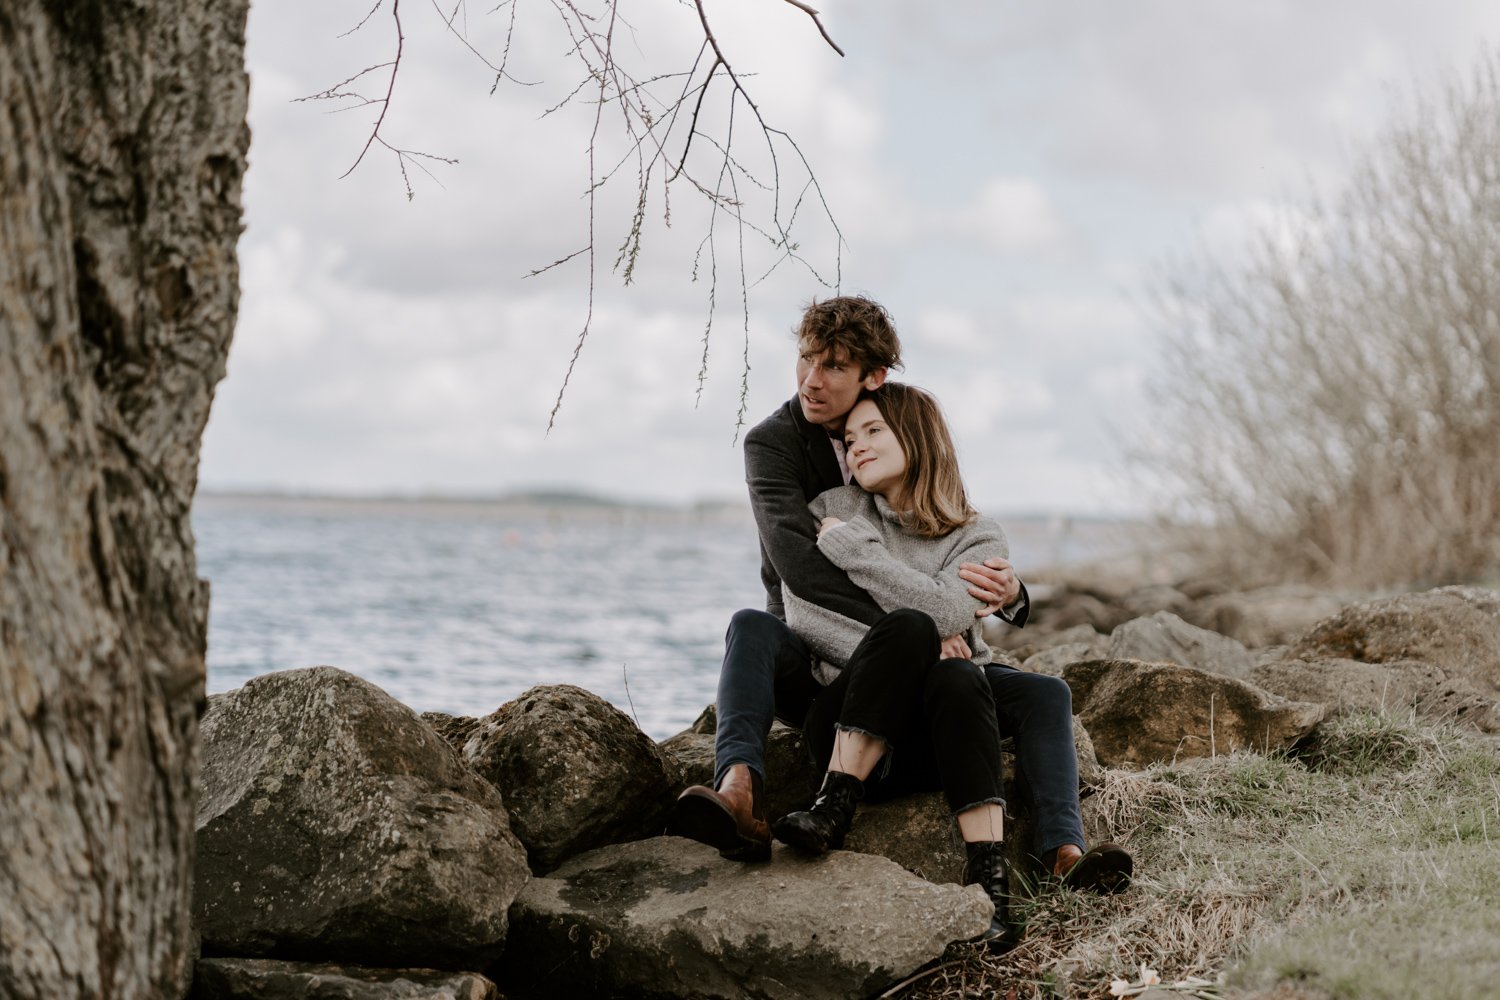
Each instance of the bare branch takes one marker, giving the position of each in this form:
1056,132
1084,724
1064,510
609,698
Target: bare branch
663,125
362,20
385,105
821,30
556,263
337,91
593,189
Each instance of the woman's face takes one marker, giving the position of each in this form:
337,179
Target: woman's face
875,456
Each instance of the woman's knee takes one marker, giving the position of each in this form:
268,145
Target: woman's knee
908,622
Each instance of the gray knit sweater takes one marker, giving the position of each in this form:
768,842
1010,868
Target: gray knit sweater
897,569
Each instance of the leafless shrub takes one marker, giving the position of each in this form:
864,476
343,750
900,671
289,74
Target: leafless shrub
1331,402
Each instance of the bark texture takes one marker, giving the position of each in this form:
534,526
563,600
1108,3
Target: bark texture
122,147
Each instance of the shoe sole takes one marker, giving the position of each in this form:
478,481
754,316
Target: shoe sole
1001,939
707,822
801,840
1106,869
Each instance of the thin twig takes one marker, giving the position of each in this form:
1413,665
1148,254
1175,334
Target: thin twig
822,30
625,676
385,105
918,977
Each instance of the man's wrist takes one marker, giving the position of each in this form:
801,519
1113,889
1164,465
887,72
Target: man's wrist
1016,606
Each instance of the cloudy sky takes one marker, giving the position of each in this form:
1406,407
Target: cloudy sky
1006,178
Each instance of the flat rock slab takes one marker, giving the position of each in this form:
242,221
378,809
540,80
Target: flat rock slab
668,917
268,979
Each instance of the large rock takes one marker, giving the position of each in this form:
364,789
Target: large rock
268,979
918,833
1052,658
1153,597
576,772
1456,629
1396,685
1070,608
1268,616
668,917
334,824
1090,772
1165,638
454,729
790,781
1138,712
1039,641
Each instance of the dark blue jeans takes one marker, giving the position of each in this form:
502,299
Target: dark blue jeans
766,674
1036,711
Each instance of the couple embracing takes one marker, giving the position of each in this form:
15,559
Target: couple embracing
878,573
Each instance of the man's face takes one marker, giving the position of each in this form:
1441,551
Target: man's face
828,386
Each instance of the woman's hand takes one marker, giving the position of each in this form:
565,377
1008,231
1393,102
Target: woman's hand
954,648
826,523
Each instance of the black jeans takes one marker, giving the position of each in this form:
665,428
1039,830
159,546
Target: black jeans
935,716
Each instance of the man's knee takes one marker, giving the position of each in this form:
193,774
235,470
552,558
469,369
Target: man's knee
751,621
1053,692
1029,691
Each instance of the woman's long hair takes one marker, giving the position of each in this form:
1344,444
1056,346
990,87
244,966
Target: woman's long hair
931,486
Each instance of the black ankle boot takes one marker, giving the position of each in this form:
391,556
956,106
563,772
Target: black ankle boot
986,868
823,827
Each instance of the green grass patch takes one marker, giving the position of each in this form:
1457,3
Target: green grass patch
1366,866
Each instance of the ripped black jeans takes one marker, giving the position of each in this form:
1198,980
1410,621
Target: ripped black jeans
936,716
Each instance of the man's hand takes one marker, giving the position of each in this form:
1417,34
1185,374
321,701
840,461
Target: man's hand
829,522
954,648
994,582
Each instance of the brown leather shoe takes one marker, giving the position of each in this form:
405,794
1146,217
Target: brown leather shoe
732,819
1105,868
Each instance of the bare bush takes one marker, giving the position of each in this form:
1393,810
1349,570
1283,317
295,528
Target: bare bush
1330,402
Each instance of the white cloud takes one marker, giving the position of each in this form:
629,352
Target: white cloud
1003,179
1010,215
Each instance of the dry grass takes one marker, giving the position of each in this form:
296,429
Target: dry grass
1365,868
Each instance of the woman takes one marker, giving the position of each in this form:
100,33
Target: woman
899,690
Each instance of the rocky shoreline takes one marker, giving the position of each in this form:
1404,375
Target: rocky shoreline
349,848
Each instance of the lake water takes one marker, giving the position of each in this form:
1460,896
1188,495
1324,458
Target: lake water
459,607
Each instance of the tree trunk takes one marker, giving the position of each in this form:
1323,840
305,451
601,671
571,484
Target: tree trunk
122,146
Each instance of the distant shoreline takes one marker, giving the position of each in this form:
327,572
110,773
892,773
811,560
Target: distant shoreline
560,502
549,505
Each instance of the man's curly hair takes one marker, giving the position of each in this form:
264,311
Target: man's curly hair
852,325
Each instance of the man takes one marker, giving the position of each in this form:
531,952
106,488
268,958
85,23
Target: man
846,345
